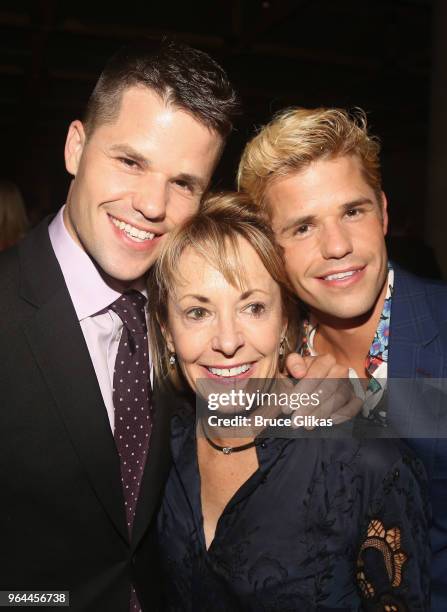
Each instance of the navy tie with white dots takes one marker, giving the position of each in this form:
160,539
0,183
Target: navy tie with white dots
132,397
132,401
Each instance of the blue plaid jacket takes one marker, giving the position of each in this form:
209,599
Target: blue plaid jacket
418,349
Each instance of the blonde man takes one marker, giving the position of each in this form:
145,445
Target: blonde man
316,175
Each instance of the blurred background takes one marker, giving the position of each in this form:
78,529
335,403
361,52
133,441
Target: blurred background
385,56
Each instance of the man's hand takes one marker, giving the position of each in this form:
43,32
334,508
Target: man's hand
323,375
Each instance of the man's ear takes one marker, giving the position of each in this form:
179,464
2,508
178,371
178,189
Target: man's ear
384,207
74,146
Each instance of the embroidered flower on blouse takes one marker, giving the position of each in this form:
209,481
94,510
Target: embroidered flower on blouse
387,542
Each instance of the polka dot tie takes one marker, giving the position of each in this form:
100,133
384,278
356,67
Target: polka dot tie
131,397
132,402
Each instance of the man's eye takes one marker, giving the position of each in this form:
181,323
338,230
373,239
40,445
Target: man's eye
256,309
196,313
354,212
184,185
301,230
130,163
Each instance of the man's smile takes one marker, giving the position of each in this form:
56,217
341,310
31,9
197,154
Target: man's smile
342,277
132,232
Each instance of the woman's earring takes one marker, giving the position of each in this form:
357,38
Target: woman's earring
172,360
281,347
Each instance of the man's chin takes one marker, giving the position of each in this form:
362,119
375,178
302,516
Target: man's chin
120,279
342,312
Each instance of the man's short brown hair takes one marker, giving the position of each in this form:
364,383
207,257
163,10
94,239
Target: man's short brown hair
296,137
186,78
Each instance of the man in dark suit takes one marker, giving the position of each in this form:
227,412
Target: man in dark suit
84,438
316,173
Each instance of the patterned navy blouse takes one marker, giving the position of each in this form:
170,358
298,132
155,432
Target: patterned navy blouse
321,525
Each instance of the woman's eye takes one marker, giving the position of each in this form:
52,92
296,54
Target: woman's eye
256,309
196,313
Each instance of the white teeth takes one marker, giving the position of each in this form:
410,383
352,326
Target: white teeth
340,276
230,371
132,231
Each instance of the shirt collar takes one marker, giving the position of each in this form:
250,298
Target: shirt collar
88,290
378,351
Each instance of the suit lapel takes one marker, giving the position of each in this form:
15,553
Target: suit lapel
58,345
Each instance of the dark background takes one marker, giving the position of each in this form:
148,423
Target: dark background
373,54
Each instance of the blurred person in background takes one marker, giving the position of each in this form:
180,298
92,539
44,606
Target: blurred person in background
13,218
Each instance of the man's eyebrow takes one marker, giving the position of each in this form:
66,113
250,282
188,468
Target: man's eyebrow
128,151
358,202
308,219
295,222
192,179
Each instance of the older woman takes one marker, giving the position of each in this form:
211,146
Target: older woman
269,523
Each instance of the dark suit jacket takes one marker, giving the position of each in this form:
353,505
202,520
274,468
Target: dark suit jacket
62,520
418,349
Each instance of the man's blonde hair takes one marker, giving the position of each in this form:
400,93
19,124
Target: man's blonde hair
296,137
214,233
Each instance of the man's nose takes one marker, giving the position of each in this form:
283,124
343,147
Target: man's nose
336,241
151,198
228,337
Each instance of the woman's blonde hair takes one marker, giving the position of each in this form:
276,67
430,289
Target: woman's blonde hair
296,137
213,233
13,219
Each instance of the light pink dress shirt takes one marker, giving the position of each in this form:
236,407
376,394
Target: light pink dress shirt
90,294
